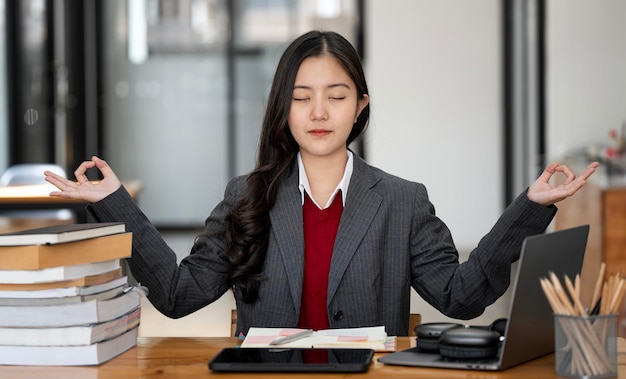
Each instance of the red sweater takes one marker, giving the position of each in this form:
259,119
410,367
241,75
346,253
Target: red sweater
320,229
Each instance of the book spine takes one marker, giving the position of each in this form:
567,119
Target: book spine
93,311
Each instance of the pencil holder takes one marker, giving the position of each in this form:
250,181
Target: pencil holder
586,346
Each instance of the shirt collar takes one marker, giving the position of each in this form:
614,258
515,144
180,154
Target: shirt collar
343,183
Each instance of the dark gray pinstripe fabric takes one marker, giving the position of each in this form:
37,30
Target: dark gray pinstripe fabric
388,240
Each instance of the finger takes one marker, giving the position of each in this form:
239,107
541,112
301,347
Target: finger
103,166
50,174
80,172
549,171
569,174
71,194
582,178
64,185
56,179
590,170
65,194
572,188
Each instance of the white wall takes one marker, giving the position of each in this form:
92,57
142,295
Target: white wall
434,70
586,72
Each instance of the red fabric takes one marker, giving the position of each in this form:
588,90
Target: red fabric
320,230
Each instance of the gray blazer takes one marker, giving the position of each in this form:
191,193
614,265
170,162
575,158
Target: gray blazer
389,240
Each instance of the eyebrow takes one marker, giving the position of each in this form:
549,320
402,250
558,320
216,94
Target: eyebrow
335,85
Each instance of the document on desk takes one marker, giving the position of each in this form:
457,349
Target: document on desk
374,338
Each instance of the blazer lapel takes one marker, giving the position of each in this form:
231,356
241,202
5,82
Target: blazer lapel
286,226
361,206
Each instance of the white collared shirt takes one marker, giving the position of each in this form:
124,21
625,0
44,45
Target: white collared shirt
343,183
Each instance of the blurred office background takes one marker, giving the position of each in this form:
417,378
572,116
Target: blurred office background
471,98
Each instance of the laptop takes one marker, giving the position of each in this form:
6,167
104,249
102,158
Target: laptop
529,332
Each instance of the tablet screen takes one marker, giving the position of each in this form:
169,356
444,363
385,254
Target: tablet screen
235,359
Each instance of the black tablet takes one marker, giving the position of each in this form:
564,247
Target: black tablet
236,359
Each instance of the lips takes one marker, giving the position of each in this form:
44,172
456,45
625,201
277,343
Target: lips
319,132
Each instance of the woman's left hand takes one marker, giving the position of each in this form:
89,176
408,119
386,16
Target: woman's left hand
542,192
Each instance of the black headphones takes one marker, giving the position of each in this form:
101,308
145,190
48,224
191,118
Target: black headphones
452,340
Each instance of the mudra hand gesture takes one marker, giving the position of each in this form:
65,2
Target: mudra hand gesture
82,188
543,193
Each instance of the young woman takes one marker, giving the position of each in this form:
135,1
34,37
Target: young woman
315,237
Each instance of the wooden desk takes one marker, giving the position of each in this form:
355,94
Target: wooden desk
180,357
37,197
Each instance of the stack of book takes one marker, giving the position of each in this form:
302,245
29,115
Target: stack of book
64,299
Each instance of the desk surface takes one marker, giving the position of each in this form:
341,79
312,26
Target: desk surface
188,358
37,196
40,194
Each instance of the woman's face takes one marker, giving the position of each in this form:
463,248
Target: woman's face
324,106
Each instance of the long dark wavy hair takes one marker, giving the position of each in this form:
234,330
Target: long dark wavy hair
248,224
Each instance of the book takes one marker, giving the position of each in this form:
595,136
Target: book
88,312
70,335
60,233
81,355
57,291
374,338
37,301
40,256
88,280
56,274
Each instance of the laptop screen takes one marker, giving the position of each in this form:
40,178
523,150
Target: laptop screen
530,329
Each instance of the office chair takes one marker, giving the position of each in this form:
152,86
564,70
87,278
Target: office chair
32,173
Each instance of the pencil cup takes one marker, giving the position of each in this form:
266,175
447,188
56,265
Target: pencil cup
586,346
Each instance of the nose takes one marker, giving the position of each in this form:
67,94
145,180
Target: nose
319,111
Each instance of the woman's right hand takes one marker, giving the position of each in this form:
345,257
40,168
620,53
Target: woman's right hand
82,188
